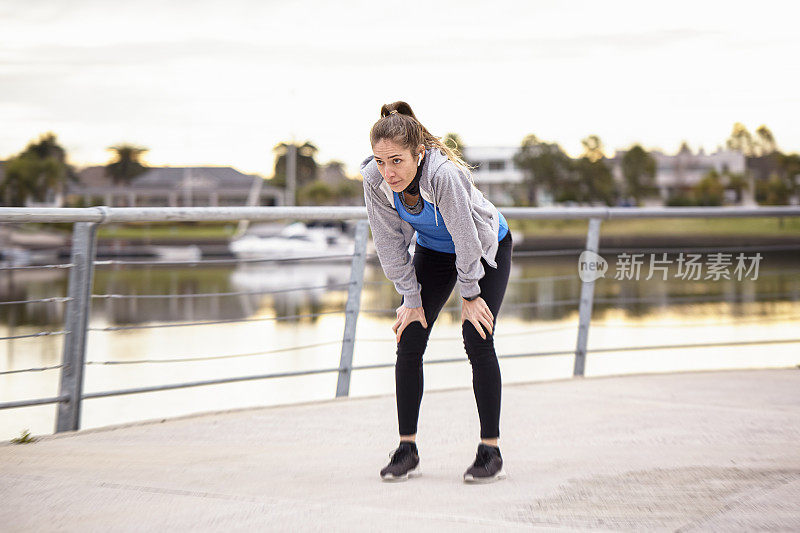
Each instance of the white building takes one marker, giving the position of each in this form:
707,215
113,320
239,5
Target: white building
677,173
496,176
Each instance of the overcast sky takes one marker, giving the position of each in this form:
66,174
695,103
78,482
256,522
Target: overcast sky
220,83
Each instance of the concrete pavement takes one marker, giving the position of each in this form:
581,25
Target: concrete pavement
692,451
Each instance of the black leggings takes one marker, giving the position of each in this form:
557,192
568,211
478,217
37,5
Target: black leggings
436,273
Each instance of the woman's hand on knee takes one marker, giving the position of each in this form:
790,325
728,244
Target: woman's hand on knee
477,312
407,315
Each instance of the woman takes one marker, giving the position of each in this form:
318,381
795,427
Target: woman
414,182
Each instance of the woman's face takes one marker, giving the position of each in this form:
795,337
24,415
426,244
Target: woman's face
397,164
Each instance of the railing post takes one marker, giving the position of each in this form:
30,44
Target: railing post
81,274
585,306
352,307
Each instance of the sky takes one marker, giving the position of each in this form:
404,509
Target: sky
221,83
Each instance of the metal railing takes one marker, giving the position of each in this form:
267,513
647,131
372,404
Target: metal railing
83,263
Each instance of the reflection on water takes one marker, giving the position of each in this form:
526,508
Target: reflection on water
539,315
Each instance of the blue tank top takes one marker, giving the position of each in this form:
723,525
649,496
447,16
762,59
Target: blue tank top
429,234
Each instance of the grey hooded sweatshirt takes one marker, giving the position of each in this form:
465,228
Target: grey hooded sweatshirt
471,219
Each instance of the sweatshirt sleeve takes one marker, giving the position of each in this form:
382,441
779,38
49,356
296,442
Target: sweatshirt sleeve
390,246
453,196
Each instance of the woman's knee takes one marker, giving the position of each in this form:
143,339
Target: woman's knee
476,346
413,341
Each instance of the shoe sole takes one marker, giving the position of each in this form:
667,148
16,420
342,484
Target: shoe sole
411,473
501,474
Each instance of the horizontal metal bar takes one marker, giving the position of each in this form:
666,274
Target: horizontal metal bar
451,308
692,298
607,213
209,294
391,338
596,350
40,334
514,280
539,279
201,262
229,321
172,386
105,214
36,369
35,267
675,250
657,299
736,322
40,300
40,401
211,357
693,345
427,362
600,324
546,253
37,401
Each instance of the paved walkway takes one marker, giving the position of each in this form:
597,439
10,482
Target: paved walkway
693,451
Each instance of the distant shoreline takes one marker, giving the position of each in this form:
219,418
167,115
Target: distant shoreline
218,248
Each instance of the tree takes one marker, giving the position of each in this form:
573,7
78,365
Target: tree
639,172
592,148
737,181
37,170
741,140
775,174
315,193
774,191
544,164
349,189
126,164
709,190
594,182
306,166
765,141
790,166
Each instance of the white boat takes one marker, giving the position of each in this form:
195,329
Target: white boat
191,252
294,241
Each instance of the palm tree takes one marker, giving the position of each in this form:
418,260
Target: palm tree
306,166
127,163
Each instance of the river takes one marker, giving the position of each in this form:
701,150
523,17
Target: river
747,321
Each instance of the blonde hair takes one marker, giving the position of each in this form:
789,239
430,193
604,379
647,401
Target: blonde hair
399,124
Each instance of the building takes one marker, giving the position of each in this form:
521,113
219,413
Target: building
496,175
676,174
174,187
499,178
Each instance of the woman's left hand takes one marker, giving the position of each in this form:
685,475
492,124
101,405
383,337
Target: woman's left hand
477,312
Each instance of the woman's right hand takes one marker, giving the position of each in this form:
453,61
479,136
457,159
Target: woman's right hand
407,315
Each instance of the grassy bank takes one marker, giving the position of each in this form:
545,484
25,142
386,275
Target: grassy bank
787,226
161,232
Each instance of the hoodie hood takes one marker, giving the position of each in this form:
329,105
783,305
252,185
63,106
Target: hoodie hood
433,159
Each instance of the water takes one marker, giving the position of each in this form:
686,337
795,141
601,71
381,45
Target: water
538,315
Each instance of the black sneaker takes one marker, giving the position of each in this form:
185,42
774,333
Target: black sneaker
488,466
404,463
